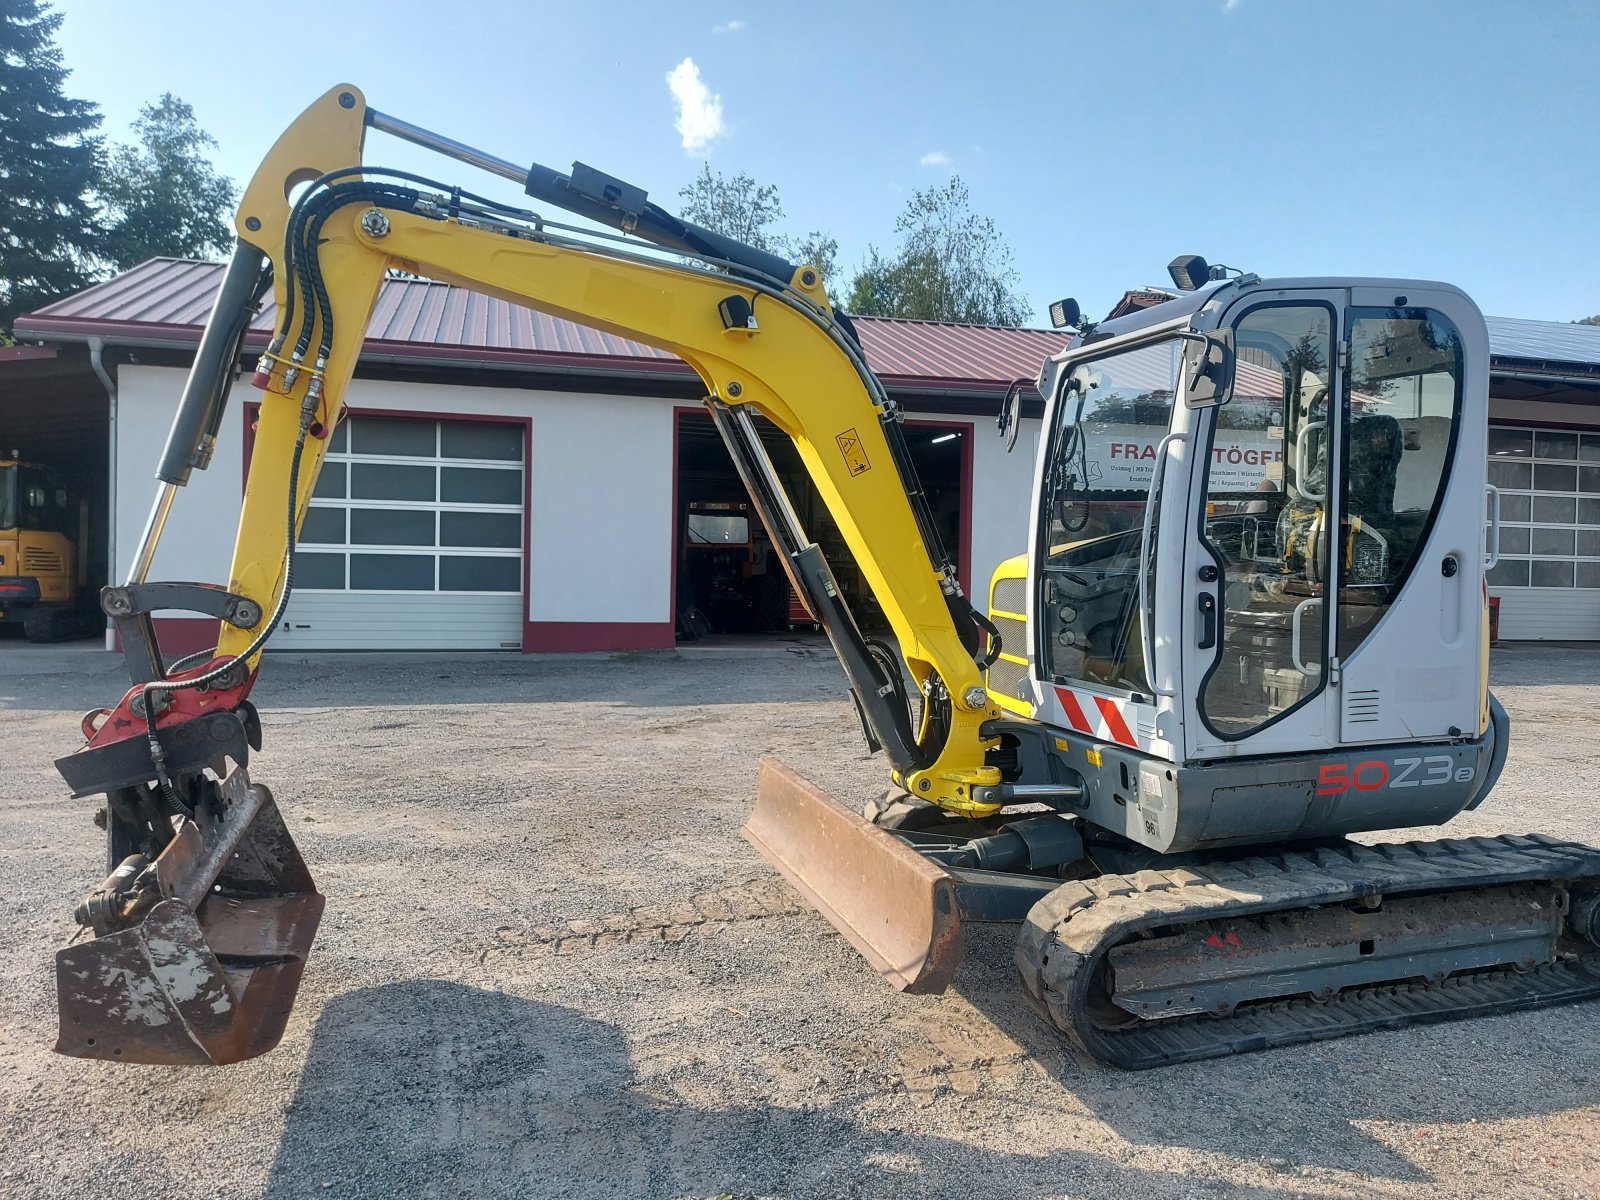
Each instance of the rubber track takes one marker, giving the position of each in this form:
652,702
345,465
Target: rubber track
1069,932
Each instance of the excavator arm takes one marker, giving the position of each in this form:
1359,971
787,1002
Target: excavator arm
761,344
202,928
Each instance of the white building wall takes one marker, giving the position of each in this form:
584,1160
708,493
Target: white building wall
197,543
1002,491
599,479
600,485
602,524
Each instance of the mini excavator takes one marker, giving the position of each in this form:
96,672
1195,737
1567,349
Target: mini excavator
1251,622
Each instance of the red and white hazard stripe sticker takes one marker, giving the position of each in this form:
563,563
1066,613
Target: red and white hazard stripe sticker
1097,716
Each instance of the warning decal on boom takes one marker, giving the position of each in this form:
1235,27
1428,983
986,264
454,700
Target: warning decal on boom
854,456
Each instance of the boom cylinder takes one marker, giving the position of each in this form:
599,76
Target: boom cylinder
205,393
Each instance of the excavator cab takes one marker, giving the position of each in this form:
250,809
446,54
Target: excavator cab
1274,572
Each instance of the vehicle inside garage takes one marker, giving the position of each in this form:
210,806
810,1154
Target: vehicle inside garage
54,489
726,578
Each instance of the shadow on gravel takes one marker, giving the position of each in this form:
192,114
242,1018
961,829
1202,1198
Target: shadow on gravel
1307,1105
434,1089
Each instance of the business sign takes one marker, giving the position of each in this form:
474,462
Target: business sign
1124,456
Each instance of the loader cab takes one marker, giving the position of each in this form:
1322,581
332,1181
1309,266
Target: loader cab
1260,521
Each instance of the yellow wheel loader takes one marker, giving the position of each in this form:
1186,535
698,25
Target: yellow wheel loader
1250,622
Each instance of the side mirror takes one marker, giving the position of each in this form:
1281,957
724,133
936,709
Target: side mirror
1207,368
1010,417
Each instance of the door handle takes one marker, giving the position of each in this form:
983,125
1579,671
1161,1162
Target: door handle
1208,620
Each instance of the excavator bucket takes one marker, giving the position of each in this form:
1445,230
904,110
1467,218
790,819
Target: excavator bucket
209,972
897,908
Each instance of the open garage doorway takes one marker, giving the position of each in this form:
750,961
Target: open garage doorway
726,580
55,509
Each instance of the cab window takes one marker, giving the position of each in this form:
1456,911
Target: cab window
1102,475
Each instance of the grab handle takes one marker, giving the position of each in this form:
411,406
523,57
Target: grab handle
1492,555
1302,461
1146,642
1294,636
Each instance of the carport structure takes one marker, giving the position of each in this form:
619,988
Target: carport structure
56,410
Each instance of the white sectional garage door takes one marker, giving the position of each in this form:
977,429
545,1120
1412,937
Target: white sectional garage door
1548,578
414,539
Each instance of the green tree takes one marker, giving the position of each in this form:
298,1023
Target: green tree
163,197
952,265
48,167
738,208
816,249
1594,320
746,210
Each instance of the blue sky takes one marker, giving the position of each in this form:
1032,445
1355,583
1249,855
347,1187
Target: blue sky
1447,139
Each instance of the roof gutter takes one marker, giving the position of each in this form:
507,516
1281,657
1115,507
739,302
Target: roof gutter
662,370
1567,378
667,369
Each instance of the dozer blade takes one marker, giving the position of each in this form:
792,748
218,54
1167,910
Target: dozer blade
896,907
210,972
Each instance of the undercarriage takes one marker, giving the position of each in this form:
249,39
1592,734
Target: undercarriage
1199,955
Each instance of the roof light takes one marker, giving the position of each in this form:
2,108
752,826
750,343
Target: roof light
944,437
1189,271
1064,314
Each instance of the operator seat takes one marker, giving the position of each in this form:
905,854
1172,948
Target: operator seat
1372,466
1376,447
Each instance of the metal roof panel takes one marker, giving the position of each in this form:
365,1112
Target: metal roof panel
177,294
169,299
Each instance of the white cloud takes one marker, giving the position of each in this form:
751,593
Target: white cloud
728,27
935,158
1230,5
699,108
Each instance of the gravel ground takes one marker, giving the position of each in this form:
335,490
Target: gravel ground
453,1037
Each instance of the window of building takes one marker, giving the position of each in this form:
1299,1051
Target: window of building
1549,507
416,505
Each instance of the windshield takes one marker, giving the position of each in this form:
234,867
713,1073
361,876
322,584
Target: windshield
1111,419
8,497
718,529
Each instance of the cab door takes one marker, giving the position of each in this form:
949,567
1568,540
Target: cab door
1261,550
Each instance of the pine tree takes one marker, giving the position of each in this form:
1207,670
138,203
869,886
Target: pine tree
49,164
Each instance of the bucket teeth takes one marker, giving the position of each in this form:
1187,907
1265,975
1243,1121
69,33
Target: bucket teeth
211,971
